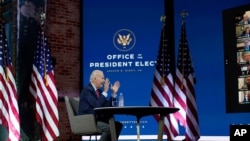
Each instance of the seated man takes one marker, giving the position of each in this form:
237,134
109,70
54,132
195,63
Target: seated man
92,96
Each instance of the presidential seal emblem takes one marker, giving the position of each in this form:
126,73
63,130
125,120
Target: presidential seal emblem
124,40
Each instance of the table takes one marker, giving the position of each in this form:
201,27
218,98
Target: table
138,112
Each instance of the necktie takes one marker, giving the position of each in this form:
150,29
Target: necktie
97,93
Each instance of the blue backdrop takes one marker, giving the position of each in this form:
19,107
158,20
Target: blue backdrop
134,64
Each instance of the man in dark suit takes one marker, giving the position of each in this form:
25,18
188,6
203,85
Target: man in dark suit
93,96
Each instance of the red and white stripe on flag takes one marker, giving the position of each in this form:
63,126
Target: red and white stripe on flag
161,96
9,112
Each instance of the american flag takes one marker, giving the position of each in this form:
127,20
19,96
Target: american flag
9,112
185,98
44,90
163,85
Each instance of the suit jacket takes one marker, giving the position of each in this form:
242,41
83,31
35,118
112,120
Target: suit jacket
89,101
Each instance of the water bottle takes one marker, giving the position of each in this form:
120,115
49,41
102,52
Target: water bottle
121,100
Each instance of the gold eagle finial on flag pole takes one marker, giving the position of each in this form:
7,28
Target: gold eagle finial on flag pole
184,14
163,19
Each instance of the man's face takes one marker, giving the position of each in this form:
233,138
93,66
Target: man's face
245,17
99,80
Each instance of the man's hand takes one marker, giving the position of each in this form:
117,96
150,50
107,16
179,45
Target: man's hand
106,85
115,87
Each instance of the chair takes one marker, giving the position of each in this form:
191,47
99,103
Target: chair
81,125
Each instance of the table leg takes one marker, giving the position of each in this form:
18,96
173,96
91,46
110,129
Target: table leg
160,128
138,129
112,129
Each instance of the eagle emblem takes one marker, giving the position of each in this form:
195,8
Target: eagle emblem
124,40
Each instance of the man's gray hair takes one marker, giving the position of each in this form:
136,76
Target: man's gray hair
94,74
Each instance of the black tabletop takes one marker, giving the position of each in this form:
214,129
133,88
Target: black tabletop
138,111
